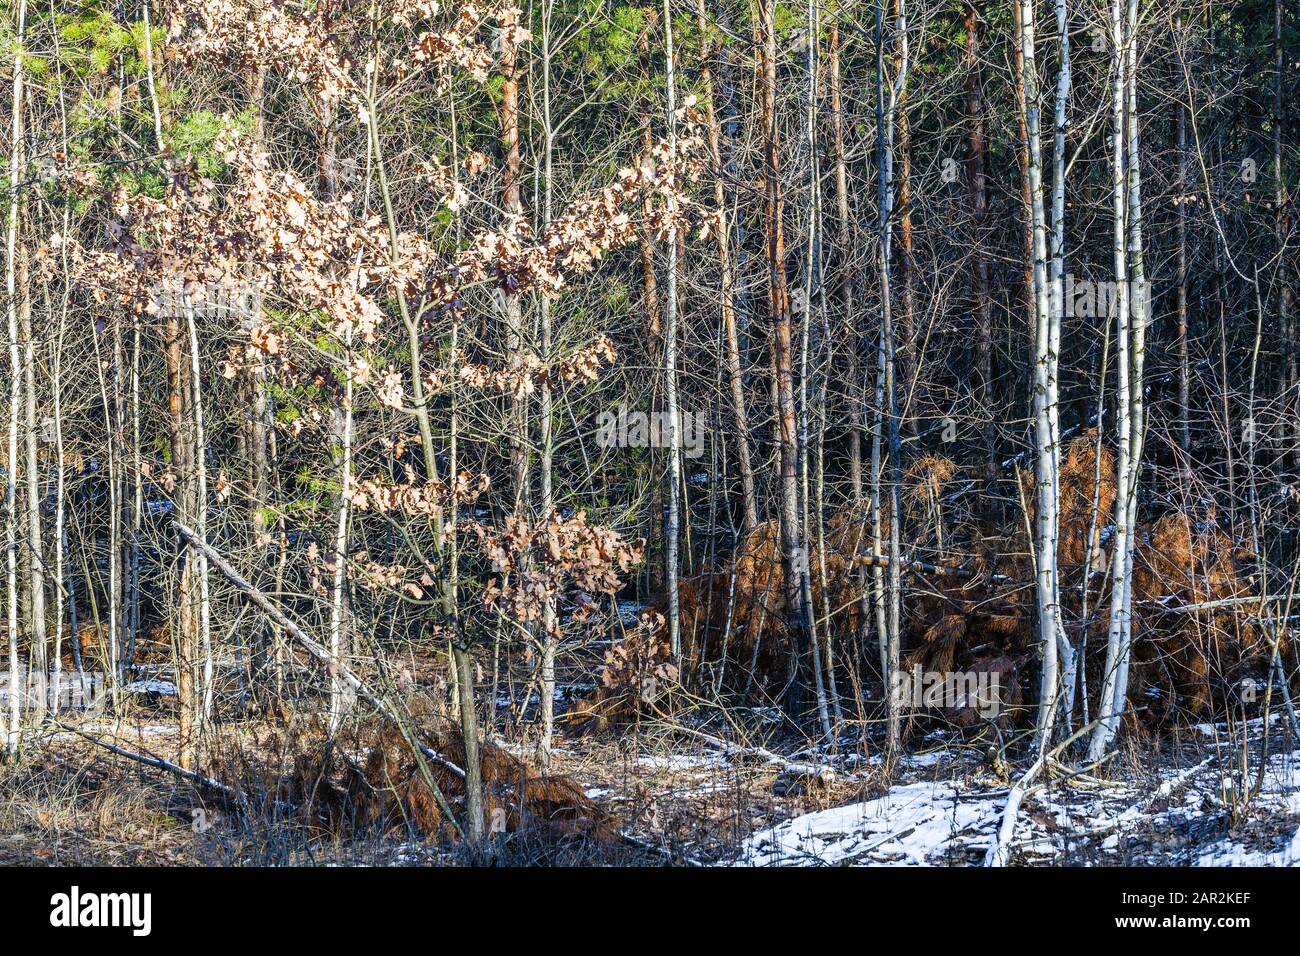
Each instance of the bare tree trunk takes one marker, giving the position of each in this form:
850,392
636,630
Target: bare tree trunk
855,391
181,445
107,368
650,299
905,326
727,282
1281,223
12,224
672,528
186,644
822,666
340,694
258,423
550,619
1133,304
977,190
1139,298
1047,302
201,516
794,558
1184,365
462,664
56,388
845,248
1064,689
888,592
511,307
1026,192
38,638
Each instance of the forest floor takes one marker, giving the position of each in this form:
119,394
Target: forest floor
1178,799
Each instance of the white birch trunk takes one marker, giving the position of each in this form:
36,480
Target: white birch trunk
1133,306
550,619
201,517
1047,309
1139,298
888,581
339,691
1063,690
13,732
672,528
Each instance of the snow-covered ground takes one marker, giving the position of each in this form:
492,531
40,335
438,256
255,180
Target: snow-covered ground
948,812
908,826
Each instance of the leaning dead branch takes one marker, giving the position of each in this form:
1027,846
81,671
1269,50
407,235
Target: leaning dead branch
318,651
189,776
911,564
503,774
315,649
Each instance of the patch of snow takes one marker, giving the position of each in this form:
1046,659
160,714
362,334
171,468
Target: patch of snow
906,826
679,761
925,759
1232,853
1254,725
151,686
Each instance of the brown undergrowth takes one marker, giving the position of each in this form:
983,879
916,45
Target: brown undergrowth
373,783
973,611
1193,655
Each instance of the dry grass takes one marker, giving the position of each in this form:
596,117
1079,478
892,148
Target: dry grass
69,803
66,805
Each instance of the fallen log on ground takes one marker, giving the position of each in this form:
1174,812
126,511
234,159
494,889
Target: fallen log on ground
999,851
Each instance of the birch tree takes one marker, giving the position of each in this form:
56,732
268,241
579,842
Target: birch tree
672,528
1047,314
1133,304
12,251
886,439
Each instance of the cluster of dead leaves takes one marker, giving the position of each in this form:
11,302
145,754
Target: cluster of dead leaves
537,563
255,33
525,372
637,672
413,497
